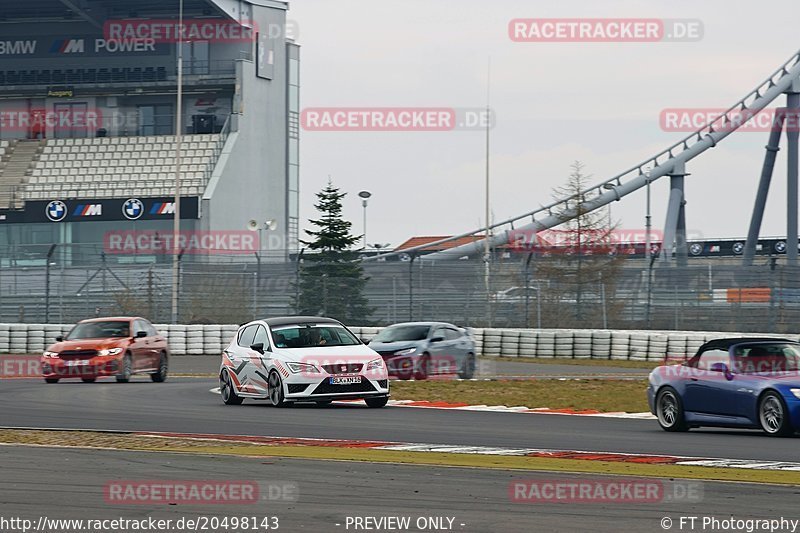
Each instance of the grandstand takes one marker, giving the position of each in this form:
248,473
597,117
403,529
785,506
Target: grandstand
239,122
96,168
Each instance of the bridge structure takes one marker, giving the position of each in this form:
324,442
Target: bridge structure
670,163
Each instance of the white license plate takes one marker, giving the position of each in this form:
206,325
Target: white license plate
78,362
346,380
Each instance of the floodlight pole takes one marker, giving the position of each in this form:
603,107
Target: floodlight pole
176,226
487,257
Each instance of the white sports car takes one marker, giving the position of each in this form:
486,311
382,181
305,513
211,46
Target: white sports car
301,359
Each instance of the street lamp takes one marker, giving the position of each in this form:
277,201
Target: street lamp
365,195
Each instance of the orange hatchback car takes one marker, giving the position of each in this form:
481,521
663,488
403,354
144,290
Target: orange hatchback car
114,346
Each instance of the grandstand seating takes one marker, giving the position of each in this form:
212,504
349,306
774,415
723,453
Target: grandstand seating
105,167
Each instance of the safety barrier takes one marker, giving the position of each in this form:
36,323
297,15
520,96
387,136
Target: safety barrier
211,339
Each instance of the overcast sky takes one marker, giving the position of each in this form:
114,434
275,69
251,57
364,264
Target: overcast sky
555,102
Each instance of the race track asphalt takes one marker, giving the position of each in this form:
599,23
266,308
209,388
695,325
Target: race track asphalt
486,368
186,405
64,483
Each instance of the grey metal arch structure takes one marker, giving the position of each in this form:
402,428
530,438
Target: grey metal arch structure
669,162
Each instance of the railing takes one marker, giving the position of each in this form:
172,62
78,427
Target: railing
218,146
712,294
80,75
634,177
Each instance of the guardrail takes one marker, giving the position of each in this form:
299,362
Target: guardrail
492,342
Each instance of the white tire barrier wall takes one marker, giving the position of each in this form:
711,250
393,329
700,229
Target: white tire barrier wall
582,344
492,340
658,345
211,339
620,344
509,342
564,343
546,343
5,338
601,344
639,345
527,342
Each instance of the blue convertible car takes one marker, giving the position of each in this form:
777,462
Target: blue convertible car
743,383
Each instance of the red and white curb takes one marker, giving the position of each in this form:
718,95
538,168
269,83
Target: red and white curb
520,409
500,408
614,457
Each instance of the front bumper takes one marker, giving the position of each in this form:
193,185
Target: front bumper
651,398
97,366
302,388
403,366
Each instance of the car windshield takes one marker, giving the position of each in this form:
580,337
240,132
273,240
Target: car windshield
100,330
403,333
766,357
305,336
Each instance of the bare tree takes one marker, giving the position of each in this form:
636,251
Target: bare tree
579,255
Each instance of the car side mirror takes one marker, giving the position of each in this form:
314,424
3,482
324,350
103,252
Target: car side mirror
437,339
60,338
258,347
141,334
364,341
723,368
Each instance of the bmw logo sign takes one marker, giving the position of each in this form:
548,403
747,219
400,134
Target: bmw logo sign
696,248
780,247
738,248
56,210
132,209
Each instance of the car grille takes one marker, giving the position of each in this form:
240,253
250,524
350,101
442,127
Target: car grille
77,353
382,383
326,388
349,368
296,388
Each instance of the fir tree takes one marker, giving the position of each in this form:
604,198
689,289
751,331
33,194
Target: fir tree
332,280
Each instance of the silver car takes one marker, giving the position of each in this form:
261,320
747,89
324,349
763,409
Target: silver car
422,349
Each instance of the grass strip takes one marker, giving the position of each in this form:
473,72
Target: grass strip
85,439
600,394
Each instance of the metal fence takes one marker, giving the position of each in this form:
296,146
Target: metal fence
76,282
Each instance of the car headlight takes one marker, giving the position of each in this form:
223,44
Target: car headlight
796,393
50,354
306,368
110,351
407,351
377,364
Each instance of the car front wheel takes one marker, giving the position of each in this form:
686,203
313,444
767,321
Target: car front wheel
125,372
377,402
163,369
669,410
228,392
275,389
773,416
